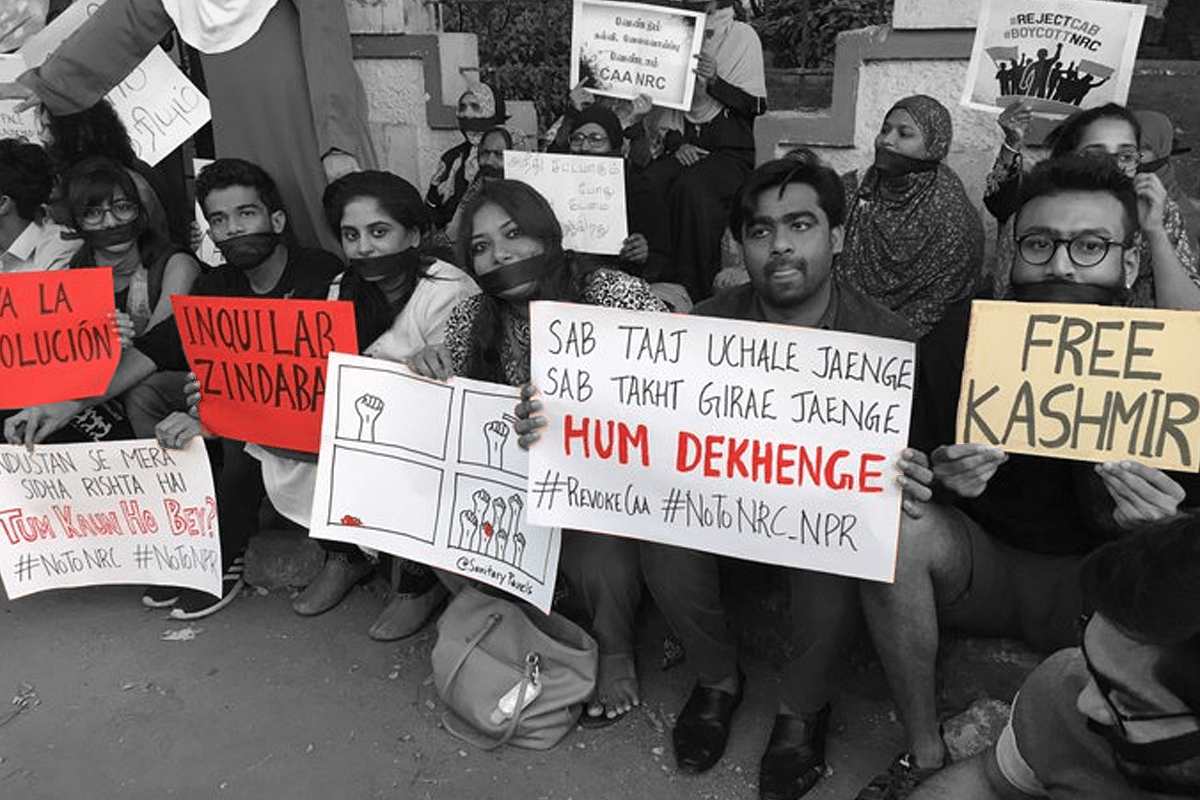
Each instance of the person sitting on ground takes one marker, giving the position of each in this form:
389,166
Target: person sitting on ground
245,212
1118,717
914,242
788,220
1165,272
402,298
710,149
512,244
105,208
29,240
999,554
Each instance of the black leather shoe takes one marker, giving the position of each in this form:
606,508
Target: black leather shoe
703,726
795,757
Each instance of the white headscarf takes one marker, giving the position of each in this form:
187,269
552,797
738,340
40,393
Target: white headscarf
217,26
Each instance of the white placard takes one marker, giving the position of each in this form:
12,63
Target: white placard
160,107
24,125
628,49
1057,55
107,512
587,194
765,442
431,472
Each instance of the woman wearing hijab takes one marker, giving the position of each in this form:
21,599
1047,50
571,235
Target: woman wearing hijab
512,243
480,110
913,240
282,87
710,146
1158,143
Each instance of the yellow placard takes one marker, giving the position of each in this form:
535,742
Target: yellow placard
1092,383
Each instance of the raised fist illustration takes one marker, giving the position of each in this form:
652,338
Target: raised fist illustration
368,407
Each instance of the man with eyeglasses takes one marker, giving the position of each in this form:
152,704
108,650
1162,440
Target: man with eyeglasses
1119,716
998,551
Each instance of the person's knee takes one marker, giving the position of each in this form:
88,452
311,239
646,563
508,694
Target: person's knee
928,544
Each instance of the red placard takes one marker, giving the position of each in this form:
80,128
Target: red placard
261,364
56,337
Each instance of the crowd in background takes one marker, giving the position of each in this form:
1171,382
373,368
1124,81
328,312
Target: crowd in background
441,278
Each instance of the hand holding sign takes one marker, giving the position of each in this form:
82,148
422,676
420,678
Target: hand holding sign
965,469
1142,494
529,421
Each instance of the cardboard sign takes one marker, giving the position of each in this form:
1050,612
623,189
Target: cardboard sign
56,338
431,472
1085,382
261,364
1057,55
160,107
764,442
23,125
628,49
107,512
587,194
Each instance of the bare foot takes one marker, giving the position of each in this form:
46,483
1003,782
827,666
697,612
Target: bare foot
616,687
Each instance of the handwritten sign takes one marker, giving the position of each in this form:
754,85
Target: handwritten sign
56,340
765,442
261,364
587,194
1057,55
629,49
1085,382
22,125
160,107
107,512
454,476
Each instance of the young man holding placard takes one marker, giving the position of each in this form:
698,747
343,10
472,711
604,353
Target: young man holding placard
788,219
1000,551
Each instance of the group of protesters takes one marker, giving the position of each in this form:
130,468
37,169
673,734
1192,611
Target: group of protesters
1098,561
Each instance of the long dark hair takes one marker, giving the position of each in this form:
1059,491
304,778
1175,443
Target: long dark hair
1066,137
94,132
533,215
400,200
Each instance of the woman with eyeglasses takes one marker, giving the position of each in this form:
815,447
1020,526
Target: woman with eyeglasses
596,131
1166,275
107,212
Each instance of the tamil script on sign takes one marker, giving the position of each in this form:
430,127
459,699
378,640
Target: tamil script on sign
1086,382
431,472
628,49
107,512
765,442
587,194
